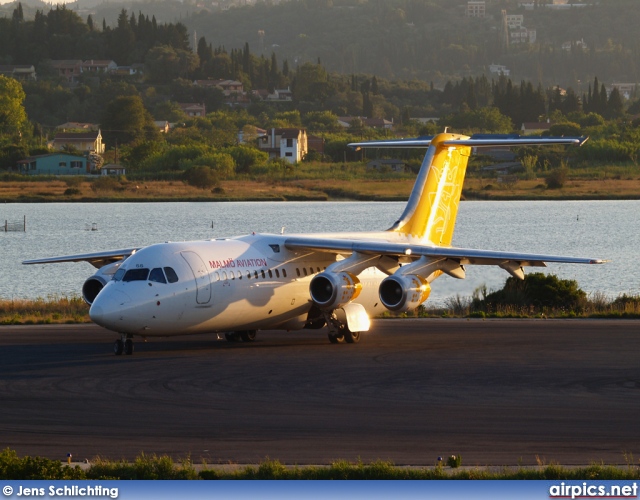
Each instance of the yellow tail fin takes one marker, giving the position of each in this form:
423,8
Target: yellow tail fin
430,214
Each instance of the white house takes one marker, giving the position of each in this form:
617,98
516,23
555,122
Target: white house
288,143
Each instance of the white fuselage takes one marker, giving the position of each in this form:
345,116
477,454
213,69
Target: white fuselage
247,283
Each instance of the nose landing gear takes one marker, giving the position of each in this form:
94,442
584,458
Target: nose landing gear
123,344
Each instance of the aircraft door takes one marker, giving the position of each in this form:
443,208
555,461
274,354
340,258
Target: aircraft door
201,275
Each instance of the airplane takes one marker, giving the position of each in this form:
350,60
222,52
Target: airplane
240,285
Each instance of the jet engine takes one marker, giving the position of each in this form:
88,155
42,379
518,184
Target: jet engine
333,290
92,287
403,293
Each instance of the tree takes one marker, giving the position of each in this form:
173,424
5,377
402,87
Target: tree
126,120
164,63
13,117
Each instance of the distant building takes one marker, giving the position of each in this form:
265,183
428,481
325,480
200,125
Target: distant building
228,87
90,141
112,169
522,35
21,72
535,128
288,143
627,90
380,123
163,126
315,143
54,164
77,126
498,69
69,69
192,108
98,66
393,164
514,21
476,8
578,44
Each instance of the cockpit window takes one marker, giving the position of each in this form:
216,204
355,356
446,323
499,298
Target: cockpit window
138,274
172,277
157,275
119,274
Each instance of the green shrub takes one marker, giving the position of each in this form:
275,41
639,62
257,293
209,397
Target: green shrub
557,178
201,177
538,290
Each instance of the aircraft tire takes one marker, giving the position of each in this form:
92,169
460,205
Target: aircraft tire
351,337
248,336
128,347
336,339
118,347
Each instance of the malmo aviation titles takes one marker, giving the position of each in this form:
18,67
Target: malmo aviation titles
233,263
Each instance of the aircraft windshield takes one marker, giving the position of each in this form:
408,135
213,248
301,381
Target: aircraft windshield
172,277
119,274
157,275
140,274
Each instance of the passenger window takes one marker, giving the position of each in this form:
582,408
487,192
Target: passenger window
318,269
232,274
263,275
298,272
217,276
270,274
304,269
157,275
248,275
255,274
224,275
119,274
277,273
284,273
172,277
311,270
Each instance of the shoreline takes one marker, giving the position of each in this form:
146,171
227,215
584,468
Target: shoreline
307,190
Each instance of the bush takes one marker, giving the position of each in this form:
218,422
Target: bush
538,290
557,178
201,177
72,191
105,183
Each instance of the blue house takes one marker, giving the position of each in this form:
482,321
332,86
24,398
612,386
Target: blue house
54,164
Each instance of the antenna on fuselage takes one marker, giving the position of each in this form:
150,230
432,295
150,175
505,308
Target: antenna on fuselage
282,229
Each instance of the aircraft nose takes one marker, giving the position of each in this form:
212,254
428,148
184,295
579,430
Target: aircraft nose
107,308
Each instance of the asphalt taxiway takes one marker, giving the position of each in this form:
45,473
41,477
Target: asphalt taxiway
498,392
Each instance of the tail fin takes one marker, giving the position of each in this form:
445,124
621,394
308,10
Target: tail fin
431,211
430,214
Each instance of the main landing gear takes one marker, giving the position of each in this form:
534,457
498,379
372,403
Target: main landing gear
339,332
344,335
245,336
123,344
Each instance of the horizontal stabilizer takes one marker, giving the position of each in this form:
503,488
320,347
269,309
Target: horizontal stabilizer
479,141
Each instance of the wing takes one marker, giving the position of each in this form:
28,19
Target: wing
512,262
97,259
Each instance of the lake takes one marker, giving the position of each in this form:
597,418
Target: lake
598,229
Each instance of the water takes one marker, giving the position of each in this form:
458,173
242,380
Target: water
599,229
